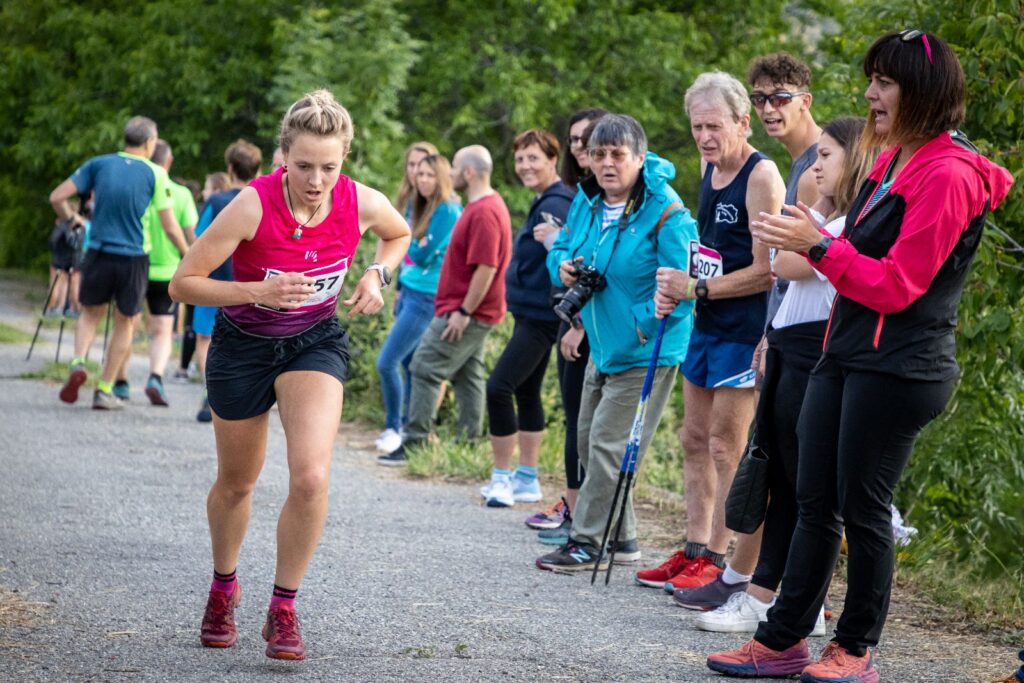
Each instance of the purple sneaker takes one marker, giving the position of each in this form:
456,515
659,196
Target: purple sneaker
709,596
550,518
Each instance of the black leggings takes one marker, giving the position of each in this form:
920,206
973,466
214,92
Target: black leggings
570,380
792,353
856,430
519,374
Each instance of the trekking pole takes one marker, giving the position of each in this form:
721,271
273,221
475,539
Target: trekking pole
628,468
46,303
63,316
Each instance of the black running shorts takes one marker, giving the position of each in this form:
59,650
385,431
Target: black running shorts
159,299
241,368
107,277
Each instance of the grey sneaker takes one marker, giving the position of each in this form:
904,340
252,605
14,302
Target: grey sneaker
626,552
101,400
709,596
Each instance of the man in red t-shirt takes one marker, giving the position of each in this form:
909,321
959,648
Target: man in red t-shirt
470,301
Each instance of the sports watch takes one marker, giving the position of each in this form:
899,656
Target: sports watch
700,290
382,271
817,252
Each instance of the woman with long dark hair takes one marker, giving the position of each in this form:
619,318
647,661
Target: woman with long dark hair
889,361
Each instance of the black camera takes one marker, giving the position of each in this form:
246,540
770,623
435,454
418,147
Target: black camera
588,281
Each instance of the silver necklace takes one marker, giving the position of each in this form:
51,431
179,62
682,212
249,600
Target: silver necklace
288,198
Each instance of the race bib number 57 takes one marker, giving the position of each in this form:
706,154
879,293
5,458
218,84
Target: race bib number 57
705,262
326,285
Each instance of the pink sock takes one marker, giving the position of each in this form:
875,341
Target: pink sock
283,597
224,583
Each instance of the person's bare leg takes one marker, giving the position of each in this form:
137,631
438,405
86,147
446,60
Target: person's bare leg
529,448
731,414
571,496
161,339
310,407
120,344
699,474
85,329
747,550
241,450
504,447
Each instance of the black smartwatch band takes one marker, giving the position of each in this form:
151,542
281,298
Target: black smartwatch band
700,290
463,311
817,252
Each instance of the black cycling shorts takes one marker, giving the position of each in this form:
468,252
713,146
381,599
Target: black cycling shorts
241,368
107,277
159,299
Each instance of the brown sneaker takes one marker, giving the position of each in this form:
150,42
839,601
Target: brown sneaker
837,665
76,378
282,635
218,629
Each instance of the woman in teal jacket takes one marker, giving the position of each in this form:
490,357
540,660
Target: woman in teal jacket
626,222
434,210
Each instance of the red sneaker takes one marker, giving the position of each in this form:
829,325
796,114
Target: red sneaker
282,635
218,629
76,378
754,660
838,665
700,572
657,576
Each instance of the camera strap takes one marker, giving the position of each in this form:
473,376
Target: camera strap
635,195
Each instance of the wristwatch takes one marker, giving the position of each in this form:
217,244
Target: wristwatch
383,271
817,252
700,290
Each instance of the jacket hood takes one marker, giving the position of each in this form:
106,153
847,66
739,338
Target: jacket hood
997,180
656,174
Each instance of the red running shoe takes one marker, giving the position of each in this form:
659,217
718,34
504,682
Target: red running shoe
837,665
282,635
76,378
754,660
218,629
700,572
656,577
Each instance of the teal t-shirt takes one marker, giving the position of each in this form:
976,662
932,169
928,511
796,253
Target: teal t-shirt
126,187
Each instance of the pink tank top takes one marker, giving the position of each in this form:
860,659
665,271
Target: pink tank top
323,252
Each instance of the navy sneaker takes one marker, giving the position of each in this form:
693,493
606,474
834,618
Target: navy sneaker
398,457
571,557
204,414
122,390
626,552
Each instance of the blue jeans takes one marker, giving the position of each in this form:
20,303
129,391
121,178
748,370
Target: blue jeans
413,313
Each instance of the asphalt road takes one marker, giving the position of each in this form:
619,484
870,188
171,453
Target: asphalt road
102,516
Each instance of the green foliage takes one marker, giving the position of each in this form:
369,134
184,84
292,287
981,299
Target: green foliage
12,335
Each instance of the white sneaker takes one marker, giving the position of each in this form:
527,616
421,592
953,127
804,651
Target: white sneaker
388,441
740,614
819,625
521,492
500,494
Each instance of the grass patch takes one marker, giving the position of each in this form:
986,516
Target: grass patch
12,335
58,372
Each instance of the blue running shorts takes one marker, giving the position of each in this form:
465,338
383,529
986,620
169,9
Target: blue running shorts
712,362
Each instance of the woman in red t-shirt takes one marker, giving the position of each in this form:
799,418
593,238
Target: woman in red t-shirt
291,236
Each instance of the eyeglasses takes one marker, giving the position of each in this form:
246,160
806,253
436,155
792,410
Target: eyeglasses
575,140
599,153
778,99
912,34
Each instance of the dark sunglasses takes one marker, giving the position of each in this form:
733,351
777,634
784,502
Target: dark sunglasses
912,34
778,99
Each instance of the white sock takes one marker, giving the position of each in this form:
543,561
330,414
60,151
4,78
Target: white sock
731,577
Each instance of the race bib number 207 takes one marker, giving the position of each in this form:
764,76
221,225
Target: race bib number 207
705,262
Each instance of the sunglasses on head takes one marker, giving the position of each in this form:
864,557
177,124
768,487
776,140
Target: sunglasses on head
912,34
778,99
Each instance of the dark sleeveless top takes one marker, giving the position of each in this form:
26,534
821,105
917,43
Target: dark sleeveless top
725,246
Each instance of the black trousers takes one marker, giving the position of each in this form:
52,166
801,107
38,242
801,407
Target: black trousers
856,432
519,375
570,381
793,352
